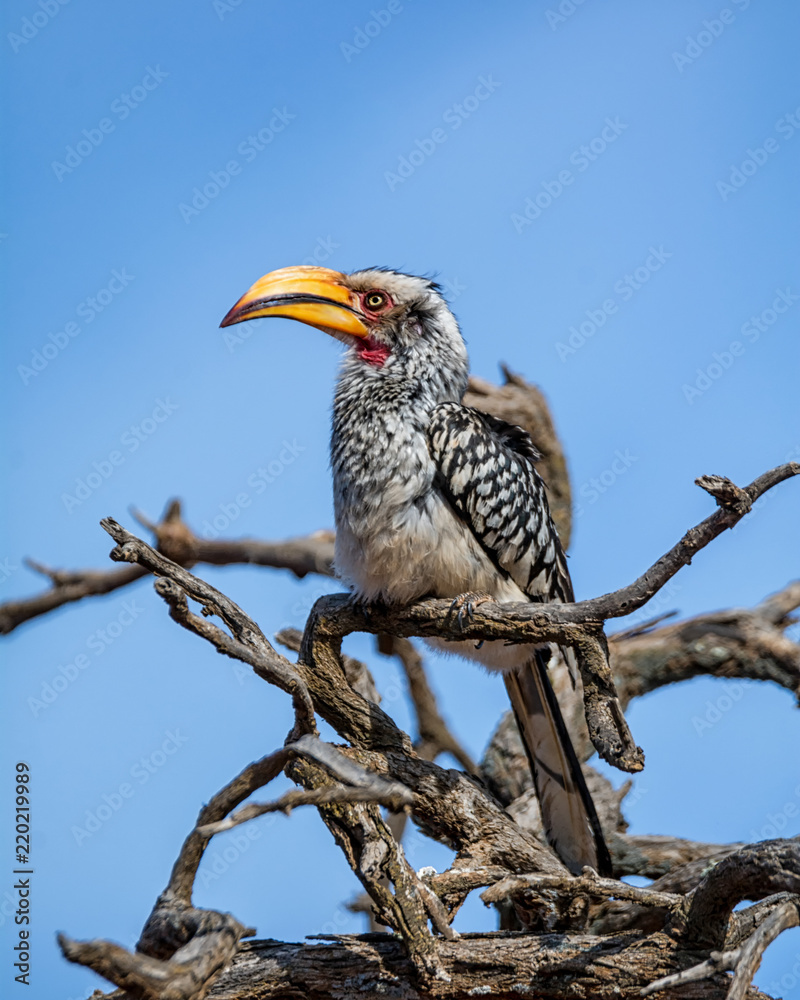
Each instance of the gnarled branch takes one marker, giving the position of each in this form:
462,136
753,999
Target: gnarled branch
175,539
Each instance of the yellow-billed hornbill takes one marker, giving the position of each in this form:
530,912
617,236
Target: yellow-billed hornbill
434,498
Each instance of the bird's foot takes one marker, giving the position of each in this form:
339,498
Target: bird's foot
364,607
468,602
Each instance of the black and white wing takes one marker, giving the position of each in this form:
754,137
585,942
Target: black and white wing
487,472
485,469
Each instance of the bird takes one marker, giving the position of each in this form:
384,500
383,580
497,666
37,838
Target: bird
433,498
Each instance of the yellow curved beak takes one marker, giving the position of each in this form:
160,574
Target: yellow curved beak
312,295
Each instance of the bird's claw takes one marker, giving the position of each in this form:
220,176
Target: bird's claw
362,607
467,603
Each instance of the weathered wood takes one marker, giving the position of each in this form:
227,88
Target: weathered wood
506,966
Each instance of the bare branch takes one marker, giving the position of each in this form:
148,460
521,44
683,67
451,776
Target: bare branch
720,961
378,861
628,599
361,786
357,673
309,554
781,919
513,966
186,976
320,796
777,607
461,879
744,922
676,863
265,661
253,777
67,587
588,884
301,556
743,961
642,629
753,872
728,644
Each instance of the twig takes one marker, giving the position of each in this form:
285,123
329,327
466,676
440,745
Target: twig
316,797
642,629
362,786
67,587
628,599
719,961
266,662
742,961
253,777
781,919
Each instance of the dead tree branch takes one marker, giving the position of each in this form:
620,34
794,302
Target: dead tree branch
588,884
360,786
248,642
67,586
380,863
183,950
301,556
755,872
743,961
513,966
738,643
579,624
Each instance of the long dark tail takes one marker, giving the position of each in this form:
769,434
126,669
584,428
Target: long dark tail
568,814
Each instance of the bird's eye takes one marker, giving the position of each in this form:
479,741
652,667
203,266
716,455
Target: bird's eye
375,301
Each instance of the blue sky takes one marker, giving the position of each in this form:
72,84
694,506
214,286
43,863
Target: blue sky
610,197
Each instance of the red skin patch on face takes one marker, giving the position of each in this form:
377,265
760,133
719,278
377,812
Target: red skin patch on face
373,352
